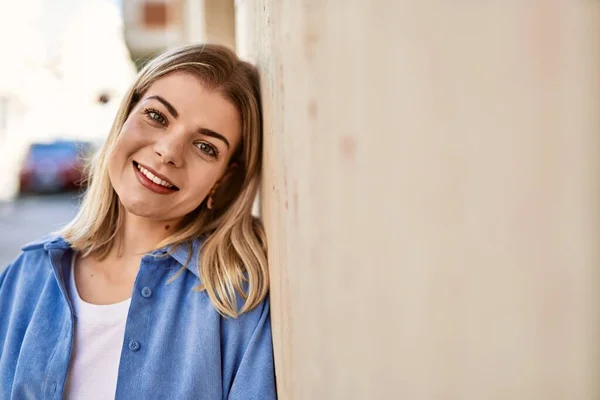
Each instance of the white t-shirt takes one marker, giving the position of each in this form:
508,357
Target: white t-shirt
99,334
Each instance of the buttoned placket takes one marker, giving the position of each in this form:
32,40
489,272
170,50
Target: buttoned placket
152,268
137,318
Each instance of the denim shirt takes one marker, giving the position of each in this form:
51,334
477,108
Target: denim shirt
176,345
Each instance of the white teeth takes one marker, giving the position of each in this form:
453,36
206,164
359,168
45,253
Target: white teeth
153,177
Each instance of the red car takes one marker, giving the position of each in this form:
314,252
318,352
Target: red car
54,167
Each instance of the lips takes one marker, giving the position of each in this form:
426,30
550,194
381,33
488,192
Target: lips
152,180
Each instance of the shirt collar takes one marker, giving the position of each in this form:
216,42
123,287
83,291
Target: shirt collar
181,253
186,254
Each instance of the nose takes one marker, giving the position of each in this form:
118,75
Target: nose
169,148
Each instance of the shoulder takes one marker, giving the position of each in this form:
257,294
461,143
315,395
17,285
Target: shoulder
35,253
32,263
42,243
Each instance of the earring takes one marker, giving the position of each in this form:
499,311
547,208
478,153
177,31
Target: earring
210,202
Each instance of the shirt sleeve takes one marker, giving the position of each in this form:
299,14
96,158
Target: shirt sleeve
255,377
3,273
5,307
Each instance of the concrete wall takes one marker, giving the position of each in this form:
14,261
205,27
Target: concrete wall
431,194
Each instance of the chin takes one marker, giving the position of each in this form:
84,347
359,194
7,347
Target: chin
146,208
142,207
140,210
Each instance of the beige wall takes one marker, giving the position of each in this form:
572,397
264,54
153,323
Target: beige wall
431,196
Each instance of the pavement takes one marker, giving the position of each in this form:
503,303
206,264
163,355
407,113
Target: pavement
29,218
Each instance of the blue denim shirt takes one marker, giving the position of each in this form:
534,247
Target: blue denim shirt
176,345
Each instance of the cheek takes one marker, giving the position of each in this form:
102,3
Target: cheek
199,190
129,141
118,156
131,134
126,144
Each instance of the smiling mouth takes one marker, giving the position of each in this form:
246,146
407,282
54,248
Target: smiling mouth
153,180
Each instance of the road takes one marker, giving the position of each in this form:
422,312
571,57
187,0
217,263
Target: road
30,218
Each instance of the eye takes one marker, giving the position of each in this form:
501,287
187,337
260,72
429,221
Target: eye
155,116
208,149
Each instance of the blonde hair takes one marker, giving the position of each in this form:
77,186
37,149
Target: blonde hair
234,252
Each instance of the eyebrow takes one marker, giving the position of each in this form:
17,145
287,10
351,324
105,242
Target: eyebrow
202,131
208,132
168,105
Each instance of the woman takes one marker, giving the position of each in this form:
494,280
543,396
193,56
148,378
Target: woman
158,287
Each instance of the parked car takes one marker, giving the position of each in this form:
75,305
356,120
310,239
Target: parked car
53,167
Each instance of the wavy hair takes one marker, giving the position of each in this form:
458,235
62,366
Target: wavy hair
233,257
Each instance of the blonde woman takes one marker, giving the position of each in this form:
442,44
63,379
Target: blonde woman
158,287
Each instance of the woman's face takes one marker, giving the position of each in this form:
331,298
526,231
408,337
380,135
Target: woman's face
174,146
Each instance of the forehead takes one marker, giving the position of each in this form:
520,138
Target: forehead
197,105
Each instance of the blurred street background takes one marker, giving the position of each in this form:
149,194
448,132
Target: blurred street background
69,66
71,61
31,218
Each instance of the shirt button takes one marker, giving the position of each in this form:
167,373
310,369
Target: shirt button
146,292
134,345
53,388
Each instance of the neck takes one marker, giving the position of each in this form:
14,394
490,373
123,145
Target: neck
139,235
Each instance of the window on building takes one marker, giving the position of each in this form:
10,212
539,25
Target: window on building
155,14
